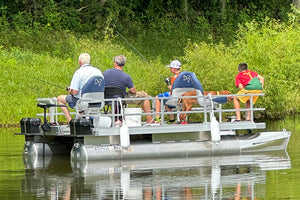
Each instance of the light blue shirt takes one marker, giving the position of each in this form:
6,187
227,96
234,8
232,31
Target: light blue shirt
81,76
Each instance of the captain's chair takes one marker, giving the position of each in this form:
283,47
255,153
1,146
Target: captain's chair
187,81
92,96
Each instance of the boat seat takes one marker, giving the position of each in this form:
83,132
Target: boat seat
185,82
113,92
92,96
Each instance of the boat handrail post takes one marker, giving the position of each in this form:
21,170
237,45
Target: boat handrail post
153,106
53,112
162,117
251,108
113,112
220,113
205,108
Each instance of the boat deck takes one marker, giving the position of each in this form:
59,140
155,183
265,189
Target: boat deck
226,128
176,128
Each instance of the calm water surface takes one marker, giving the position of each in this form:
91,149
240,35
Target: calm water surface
273,175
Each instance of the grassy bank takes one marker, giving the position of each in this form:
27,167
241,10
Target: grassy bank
272,49
27,75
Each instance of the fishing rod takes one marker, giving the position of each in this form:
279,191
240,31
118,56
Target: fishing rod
140,54
48,82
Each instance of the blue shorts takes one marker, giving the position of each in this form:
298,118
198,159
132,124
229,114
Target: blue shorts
71,100
166,94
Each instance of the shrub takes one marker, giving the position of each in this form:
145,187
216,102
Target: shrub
271,49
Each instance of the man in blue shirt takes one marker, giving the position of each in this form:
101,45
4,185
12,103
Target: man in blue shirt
116,77
80,77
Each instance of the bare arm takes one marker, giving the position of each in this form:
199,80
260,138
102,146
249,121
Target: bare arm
240,86
132,90
72,92
261,79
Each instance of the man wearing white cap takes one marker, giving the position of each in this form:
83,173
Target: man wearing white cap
175,67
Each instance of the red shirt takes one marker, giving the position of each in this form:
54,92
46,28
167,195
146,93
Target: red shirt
244,78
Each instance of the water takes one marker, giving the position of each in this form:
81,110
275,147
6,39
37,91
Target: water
261,176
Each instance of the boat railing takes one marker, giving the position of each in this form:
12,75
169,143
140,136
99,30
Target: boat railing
205,109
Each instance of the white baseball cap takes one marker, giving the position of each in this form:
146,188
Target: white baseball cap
175,64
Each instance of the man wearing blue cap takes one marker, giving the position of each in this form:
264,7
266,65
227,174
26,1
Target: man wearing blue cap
175,67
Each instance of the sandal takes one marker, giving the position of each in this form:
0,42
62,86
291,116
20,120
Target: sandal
171,121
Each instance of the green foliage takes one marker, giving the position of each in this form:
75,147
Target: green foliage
58,43
27,75
43,39
173,22
209,61
21,88
272,49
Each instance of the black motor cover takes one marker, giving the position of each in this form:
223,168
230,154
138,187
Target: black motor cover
30,125
80,126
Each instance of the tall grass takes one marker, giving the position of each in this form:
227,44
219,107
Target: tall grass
27,75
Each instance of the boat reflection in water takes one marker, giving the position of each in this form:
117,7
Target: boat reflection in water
219,177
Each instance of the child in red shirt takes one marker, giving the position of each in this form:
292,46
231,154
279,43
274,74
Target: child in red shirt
247,82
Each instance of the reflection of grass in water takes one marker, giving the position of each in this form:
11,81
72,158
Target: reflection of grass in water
11,148
291,123
279,182
11,144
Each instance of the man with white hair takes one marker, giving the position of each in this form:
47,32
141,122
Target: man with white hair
80,77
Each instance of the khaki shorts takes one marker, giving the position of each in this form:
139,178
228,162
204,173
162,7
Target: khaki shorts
139,94
244,99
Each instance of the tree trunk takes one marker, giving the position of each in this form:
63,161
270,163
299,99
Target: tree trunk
223,8
186,9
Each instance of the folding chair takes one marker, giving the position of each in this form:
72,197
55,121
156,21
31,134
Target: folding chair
92,96
187,81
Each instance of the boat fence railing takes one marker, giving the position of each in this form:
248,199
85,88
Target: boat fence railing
204,109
